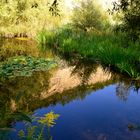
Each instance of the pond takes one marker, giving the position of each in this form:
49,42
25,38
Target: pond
93,103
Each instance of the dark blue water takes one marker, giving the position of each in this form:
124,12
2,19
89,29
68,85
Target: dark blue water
101,115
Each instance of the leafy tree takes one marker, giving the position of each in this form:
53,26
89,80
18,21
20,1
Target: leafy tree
27,16
86,15
130,9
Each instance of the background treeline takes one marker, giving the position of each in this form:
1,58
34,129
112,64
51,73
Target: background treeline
27,17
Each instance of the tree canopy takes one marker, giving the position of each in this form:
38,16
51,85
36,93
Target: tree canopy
27,15
130,9
87,15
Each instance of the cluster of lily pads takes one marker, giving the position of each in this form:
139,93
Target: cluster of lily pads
24,66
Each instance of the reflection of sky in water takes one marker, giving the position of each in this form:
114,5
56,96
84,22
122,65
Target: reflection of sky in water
100,116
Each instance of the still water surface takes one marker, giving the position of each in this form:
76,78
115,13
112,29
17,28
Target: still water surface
93,104
101,115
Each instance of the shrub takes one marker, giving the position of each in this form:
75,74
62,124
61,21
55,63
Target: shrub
86,16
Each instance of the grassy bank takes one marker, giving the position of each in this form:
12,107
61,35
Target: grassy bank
109,49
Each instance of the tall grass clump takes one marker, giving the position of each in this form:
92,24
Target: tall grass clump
45,37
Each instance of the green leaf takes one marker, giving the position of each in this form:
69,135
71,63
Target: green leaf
20,116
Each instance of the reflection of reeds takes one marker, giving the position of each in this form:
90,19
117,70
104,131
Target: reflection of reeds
13,47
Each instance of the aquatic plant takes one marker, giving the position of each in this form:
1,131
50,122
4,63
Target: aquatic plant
24,66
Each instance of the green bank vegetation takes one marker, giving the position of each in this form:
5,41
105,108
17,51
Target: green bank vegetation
90,35
107,49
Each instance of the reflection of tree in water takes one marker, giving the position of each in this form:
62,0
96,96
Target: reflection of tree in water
23,93
84,69
19,94
123,89
137,87
13,47
77,93
1,41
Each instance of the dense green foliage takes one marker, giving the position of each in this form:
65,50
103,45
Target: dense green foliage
25,18
109,49
130,11
88,16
